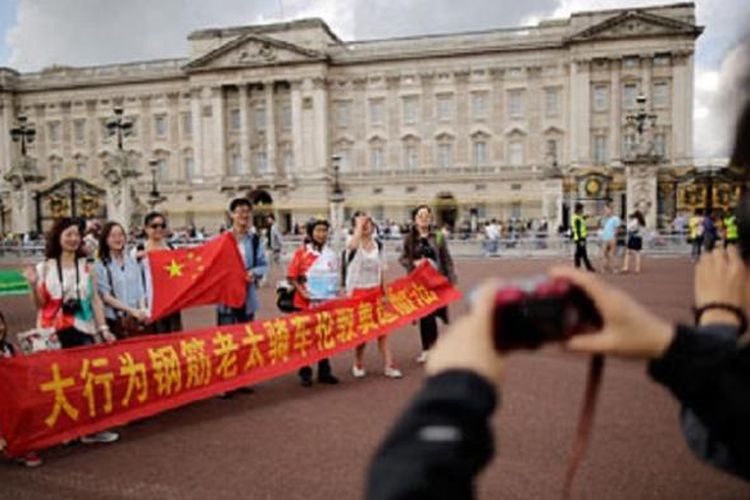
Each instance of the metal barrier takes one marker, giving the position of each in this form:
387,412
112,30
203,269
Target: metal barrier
522,247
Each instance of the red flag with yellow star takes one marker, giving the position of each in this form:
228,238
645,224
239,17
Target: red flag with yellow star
212,273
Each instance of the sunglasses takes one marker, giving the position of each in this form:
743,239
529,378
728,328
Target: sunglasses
158,226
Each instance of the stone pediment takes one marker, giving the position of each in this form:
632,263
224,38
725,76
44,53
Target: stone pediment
251,50
635,24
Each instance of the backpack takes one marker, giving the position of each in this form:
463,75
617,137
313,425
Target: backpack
348,257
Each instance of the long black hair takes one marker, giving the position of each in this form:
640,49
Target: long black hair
105,253
53,248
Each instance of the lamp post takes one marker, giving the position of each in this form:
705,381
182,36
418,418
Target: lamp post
23,133
119,125
154,196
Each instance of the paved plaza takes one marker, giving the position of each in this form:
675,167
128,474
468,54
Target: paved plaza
286,442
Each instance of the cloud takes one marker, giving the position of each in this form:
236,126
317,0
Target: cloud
92,32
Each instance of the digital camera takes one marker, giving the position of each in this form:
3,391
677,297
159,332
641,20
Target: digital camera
71,306
531,312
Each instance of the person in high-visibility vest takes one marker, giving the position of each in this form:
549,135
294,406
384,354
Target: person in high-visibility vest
580,232
695,225
731,231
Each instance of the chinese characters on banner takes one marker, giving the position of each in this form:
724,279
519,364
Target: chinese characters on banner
51,397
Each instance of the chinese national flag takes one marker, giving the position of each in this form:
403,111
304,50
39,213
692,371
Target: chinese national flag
212,273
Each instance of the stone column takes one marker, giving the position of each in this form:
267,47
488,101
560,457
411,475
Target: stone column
196,117
297,141
6,123
218,164
270,129
320,126
580,117
615,111
682,107
244,127
173,135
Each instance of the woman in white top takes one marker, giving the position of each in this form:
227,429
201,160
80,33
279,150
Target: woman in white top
364,265
636,224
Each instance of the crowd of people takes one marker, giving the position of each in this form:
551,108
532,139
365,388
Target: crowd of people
94,286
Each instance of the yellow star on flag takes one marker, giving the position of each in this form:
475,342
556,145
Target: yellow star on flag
174,269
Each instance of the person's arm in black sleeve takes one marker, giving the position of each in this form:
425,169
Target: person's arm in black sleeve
439,444
711,375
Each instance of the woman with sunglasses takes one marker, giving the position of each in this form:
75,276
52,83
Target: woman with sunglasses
155,224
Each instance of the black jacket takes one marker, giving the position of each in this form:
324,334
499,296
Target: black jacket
710,376
443,439
439,444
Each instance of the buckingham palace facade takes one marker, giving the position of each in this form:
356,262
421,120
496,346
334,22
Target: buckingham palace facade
502,123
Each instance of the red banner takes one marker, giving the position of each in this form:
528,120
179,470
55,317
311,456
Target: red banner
51,397
212,273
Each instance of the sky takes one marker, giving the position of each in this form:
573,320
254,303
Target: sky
39,33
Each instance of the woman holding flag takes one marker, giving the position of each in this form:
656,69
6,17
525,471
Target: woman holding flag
156,226
315,273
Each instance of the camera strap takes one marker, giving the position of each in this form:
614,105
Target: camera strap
585,421
62,281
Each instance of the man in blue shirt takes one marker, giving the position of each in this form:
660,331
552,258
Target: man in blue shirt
253,255
609,236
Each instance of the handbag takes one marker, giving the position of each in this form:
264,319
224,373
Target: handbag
285,297
38,340
124,325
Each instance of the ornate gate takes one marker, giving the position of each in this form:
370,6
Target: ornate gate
69,198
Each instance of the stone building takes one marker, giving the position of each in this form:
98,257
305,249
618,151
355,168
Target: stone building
518,122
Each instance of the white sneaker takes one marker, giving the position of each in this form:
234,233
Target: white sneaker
422,358
392,372
101,437
358,372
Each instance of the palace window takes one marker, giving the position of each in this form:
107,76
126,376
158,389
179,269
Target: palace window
53,131
376,112
660,145
343,113
376,158
444,107
479,105
79,131
260,118
410,104
661,94
261,162
515,103
445,155
287,160
629,93
286,117
600,149
411,156
160,126
187,124
552,104
189,164
235,163
234,120
515,154
479,153
601,97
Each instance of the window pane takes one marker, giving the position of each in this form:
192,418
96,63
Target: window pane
410,109
479,105
444,106
286,117
445,155
411,157
79,131
515,103
234,119
189,168
551,102
516,154
376,112
261,160
187,124
661,94
342,114
288,160
630,92
53,129
480,154
376,158
260,118
160,126
601,98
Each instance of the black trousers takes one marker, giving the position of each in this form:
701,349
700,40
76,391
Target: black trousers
582,255
324,370
428,331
